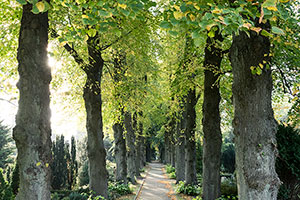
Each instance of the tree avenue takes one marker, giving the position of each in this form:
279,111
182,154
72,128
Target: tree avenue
185,82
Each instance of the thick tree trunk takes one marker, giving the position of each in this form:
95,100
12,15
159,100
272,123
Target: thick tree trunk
212,140
32,132
254,124
93,105
120,153
180,147
190,141
130,139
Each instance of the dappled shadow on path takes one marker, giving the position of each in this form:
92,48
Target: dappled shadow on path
156,186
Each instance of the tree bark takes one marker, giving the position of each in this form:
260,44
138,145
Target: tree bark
93,105
32,132
190,140
180,147
120,153
254,123
137,147
130,139
212,140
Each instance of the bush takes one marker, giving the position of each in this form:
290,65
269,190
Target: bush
170,169
192,190
172,175
5,189
116,190
288,162
229,188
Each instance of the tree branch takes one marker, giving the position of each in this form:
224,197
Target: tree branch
1,99
286,86
113,42
71,50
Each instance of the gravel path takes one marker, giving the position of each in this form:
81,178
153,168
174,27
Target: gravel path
156,186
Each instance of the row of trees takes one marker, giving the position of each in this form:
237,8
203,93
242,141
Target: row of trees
118,41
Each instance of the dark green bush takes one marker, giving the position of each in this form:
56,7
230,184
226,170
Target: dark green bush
229,188
288,162
192,190
5,190
116,190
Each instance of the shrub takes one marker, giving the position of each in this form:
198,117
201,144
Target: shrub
170,169
288,162
191,190
172,175
5,189
229,188
117,189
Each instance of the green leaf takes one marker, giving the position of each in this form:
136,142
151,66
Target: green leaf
277,31
266,33
196,34
92,32
165,24
23,2
175,33
211,34
103,13
35,10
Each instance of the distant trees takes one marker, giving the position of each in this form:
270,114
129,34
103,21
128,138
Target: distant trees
64,165
6,146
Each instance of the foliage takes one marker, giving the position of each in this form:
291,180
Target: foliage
288,162
116,190
199,153
64,166
229,189
228,156
170,169
73,166
15,180
84,174
191,190
5,190
6,146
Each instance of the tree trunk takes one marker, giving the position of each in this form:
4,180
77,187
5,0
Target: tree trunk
32,132
167,147
143,152
130,139
120,153
190,140
179,148
93,105
137,147
254,123
212,140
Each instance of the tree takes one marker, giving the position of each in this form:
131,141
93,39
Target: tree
73,164
130,139
32,131
212,138
254,123
59,166
6,148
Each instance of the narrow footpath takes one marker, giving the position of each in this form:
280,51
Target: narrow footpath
156,186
